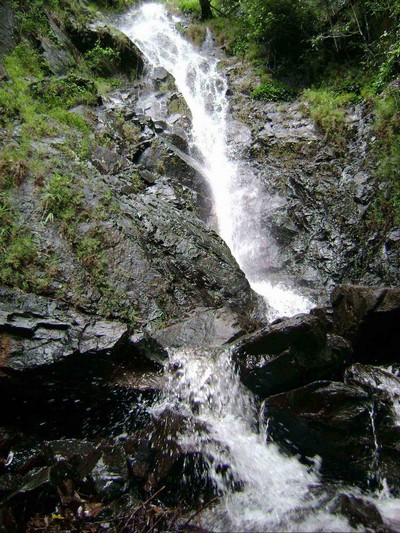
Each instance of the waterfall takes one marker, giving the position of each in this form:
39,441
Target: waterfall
238,200
259,487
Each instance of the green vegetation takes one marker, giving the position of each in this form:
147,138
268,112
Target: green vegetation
18,253
272,91
99,58
190,7
328,111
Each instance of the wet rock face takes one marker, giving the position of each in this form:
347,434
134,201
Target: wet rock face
7,41
335,421
155,260
351,418
291,353
317,193
359,512
36,331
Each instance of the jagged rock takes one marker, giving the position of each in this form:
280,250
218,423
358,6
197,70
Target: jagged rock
289,354
107,161
37,331
369,318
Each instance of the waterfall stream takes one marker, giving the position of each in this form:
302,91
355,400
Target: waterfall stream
259,488
237,197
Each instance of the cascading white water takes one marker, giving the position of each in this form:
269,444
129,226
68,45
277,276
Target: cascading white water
275,492
237,196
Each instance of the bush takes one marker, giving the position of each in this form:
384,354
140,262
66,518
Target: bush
100,59
190,7
272,91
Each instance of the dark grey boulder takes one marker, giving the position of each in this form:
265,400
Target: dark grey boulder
157,460
359,512
369,318
289,354
339,423
374,379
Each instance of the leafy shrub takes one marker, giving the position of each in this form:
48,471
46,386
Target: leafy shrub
66,92
272,91
190,7
100,59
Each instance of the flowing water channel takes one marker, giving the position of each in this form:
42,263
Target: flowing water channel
238,200
260,489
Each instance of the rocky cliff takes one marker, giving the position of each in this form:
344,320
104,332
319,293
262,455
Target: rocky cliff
109,258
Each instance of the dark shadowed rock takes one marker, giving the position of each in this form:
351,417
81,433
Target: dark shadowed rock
358,511
157,460
383,387
335,421
374,379
7,16
129,60
369,318
289,354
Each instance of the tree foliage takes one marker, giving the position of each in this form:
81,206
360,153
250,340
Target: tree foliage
312,33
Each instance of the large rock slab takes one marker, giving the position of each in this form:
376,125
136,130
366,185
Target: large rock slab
37,331
209,328
289,354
